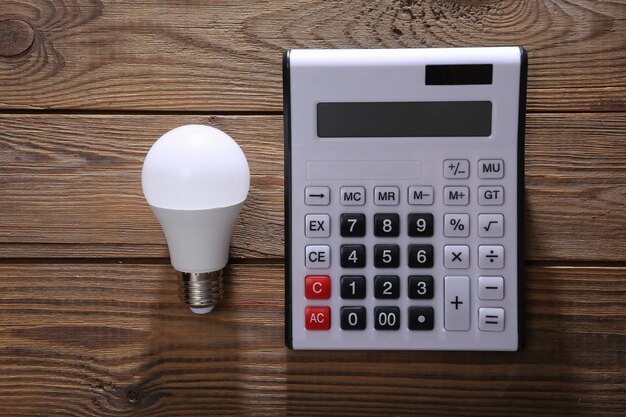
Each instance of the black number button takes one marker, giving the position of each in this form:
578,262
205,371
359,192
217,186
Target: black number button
353,318
387,286
421,287
420,224
386,256
386,225
420,256
386,318
352,287
352,225
352,256
421,318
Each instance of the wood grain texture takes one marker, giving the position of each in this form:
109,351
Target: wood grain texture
104,340
225,56
71,186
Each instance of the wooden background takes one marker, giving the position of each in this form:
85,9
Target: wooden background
90,322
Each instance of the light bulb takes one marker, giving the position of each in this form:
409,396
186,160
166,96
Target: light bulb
195,179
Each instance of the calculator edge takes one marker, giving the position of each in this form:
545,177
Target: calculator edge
287,196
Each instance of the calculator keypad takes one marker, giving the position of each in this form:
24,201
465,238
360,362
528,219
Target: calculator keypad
438,291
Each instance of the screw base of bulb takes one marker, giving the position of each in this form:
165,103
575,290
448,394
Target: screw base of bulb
201,291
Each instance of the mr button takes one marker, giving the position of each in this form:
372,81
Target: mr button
317,318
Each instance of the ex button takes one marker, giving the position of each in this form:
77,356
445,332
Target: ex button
317,225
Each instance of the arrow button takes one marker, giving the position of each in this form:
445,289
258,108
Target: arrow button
317,196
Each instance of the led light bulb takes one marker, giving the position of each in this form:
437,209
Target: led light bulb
195,179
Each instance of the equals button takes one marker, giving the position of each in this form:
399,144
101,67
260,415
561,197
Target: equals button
491,319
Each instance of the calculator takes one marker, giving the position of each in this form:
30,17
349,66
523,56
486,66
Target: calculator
404,174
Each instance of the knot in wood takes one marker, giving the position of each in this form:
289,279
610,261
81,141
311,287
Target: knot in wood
16,36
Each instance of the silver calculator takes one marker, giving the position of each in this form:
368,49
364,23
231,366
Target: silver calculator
404,174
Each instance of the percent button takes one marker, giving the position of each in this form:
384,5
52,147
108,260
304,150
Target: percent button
456,225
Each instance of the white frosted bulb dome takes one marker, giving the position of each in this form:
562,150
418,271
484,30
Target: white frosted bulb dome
195,167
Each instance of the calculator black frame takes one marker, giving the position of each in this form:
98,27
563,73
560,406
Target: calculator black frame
521,129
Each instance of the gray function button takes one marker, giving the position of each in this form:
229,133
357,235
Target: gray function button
317,225
490,288
352,196
456,256
456,225
421,195
317,196
491,196
490,225
317,256
456,168
491,168
457,303
491,257
386,196
491,319
456,196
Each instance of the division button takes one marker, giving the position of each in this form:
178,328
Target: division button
456,168
352,256
353,318
386,318
317,287
386,196
421,195
456,196
352,196
317,256
421,318
317,196
491,195
491,257
491,168
456,225
317,225
421,287
456,256
420,224
490,225
491,319
317,318
456,299
352,287
490,288
352,225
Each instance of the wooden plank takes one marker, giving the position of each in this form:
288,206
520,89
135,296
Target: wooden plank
95,340
71,186
225,56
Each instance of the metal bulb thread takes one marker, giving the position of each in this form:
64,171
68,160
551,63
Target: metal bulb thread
201,290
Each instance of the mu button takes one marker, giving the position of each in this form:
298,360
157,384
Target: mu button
317,287
317,318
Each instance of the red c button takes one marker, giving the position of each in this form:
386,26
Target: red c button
317,287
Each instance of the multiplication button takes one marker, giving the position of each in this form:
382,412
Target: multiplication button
456,256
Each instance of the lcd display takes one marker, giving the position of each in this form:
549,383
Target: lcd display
404,119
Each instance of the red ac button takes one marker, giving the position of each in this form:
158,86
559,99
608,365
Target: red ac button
317,318
317,287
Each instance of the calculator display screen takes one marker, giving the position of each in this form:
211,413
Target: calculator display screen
404,119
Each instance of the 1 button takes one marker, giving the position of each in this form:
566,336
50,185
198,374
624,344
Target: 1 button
456,168
490,288
456,196
491,257
317,225
352,256
490,225
456,256
386,196
491,196
352,196
421,195
491,319
317,287
456,225
317,256
353,318
457,308
352,287
317,318
317,196
490,168
421,318
352,224
386,318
